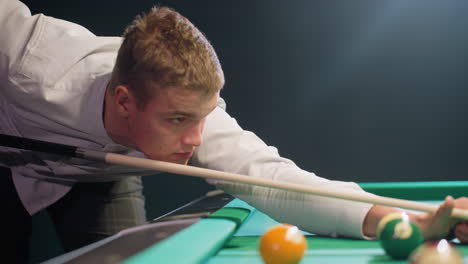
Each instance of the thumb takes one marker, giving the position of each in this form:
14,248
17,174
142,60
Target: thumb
439,225
445,210
442,216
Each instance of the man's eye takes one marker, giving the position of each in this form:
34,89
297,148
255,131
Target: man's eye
176,120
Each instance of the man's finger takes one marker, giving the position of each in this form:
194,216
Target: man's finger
461,232
445,210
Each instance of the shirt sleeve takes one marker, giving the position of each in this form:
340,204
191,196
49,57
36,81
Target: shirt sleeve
227,147
16,27
53,76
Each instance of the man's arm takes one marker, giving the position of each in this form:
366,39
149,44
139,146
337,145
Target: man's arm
227,147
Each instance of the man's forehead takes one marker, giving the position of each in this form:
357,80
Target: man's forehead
185,102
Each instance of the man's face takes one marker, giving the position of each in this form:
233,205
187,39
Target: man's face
169,128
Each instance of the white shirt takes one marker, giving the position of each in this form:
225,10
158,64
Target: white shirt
53,75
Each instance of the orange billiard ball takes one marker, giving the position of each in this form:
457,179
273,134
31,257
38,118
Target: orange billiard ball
283,243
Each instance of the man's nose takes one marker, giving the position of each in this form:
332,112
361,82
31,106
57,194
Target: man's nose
193,136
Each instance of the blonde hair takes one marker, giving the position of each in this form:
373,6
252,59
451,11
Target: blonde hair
163,49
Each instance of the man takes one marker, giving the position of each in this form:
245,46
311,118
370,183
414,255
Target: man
154,94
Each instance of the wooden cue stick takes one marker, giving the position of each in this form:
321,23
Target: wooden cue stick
119,159
232,177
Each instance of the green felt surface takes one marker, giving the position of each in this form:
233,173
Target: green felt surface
244,249
237,215
435,190
239,241
188,250
186,247
243,246
320,250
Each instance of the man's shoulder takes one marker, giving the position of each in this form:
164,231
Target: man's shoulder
62,51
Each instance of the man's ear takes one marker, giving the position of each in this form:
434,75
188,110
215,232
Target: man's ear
123,100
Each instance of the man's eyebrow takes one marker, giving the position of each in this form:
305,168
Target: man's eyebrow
186,114
181,113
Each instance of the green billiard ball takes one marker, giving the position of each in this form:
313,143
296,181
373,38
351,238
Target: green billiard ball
398,235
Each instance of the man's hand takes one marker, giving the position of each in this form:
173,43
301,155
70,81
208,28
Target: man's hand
440,224
436,225
461,227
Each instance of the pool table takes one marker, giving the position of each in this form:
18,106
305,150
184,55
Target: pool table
227,230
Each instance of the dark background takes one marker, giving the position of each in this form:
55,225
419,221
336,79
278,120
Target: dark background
356,90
